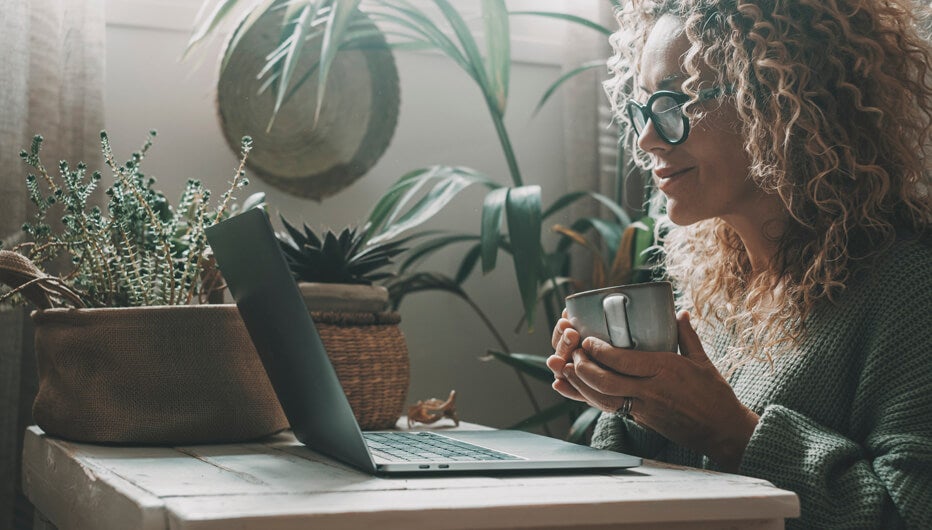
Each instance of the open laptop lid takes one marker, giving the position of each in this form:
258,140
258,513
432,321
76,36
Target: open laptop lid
270,303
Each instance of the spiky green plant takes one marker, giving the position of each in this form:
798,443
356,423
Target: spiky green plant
337,258
139,251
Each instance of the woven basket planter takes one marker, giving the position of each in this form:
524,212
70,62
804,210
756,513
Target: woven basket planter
166,375
370,356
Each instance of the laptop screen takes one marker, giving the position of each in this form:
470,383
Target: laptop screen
281,328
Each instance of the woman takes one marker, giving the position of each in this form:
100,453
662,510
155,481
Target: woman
793,142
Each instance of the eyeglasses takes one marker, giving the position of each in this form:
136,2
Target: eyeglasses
665,109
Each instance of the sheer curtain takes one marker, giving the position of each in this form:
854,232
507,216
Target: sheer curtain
52,84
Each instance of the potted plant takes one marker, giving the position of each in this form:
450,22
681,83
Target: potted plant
336,274
126,351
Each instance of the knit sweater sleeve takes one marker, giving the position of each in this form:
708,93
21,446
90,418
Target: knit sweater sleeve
617,433
880,476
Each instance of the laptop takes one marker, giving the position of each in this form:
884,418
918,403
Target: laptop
310,394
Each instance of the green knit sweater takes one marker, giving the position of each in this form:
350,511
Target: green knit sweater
845,421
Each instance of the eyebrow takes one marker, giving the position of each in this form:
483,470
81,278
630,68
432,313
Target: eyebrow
666,83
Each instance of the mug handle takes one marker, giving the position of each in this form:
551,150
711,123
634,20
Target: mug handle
614,307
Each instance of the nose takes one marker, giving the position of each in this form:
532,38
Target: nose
651,142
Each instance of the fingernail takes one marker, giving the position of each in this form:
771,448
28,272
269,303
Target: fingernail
566,339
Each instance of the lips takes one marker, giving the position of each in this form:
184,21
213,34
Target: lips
669,176
669,172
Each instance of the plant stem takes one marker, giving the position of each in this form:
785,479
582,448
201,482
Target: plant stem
499,122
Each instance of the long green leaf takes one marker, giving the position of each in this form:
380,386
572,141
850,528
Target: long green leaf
416,282
498,40
427,248
549,414
300,28
412,18
523,211
493,208
219,12
470,48
533,365
452,180
566,77
568,18
340,15
390,199
427,206
569,198
254,15
468,263
577,432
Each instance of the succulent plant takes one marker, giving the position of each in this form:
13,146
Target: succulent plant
337,258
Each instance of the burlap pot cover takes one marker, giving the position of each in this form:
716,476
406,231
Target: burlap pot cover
151,375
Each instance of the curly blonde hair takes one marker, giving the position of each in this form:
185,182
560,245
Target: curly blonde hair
835,103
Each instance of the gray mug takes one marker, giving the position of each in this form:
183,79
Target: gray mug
640,316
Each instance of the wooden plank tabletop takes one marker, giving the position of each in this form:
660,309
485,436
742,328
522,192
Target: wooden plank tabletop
280,484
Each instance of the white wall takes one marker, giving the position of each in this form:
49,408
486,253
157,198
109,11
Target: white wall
442,120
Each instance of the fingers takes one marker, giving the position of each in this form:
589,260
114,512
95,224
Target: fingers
569,341
556,365
605,402
690,345
567,390
623,361
562,324
602,379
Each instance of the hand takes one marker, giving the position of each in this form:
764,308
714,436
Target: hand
682,397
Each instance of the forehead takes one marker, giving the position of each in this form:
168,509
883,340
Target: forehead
662,57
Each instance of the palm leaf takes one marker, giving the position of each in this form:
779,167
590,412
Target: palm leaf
451,180
523,211
340,16
429,247
600,63
254,15
218,13
468,263
569,198
294,46
498,40
492,213
476,66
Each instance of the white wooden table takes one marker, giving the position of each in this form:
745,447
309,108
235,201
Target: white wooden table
280,484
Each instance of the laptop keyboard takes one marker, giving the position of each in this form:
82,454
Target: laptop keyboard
427,447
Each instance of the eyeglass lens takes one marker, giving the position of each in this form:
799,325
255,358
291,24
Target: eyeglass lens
667,115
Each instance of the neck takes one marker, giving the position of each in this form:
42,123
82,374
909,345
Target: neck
760,231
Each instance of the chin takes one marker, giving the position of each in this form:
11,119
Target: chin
681,216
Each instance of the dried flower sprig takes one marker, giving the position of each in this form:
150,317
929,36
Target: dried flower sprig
141,251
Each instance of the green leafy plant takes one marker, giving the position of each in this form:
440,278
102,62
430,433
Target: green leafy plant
138,250
337,258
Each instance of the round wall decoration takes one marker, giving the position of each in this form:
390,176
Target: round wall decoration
297,155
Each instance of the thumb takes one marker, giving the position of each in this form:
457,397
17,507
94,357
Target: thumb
690,345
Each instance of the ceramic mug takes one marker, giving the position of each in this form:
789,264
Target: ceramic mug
639,316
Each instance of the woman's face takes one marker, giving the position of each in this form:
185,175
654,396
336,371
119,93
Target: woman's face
707,175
